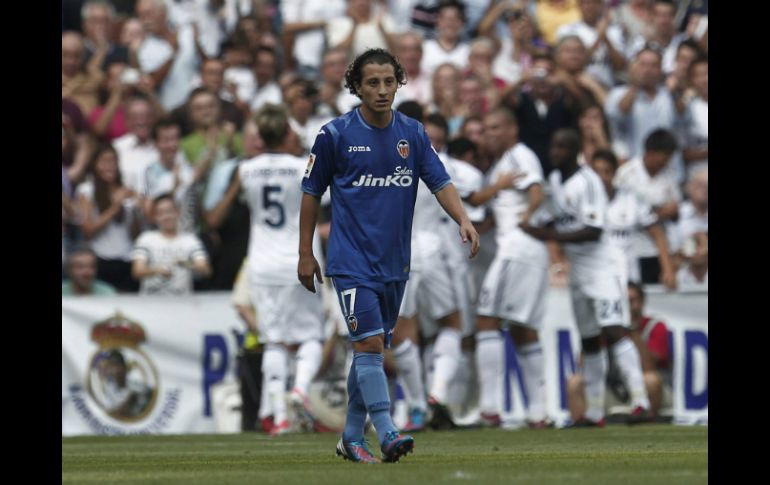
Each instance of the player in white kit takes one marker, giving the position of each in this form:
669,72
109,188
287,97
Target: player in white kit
627,214
516,282
598,281
290,318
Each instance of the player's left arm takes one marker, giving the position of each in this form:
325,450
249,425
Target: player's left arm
452,205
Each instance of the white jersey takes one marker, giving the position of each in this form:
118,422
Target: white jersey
467,179
159,250
509,206
656,191
426,226
272,185
627,214
578,203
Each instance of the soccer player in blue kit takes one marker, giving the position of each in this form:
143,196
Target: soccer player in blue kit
371,158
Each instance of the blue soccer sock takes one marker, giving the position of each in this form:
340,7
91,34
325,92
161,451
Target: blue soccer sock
355,420
373,386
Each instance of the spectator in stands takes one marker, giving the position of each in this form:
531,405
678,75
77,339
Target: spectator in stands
81,269
603,40
553,14
80,81
542,106
650,336
446,91
135,149
571,61
363,26
696,152
636,109
647,177
77,141
514,52
663,35
121,83
480,57
169,56
98,22
212,77
304,24
678,80
131,37
634,17
265,72
409,53
212,140
110,218
448,46
332,92
165,260
302,100
171,174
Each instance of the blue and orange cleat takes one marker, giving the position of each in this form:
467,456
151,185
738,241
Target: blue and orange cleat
356,451
395,446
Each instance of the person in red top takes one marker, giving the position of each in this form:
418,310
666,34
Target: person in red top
651,338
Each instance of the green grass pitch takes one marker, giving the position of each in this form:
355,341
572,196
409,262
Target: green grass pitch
659,454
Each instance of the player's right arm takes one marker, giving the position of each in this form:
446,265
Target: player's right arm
308,266
318,176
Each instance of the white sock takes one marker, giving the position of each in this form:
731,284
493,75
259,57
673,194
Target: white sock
308,361
446,360
532,366
409,366
490,367
274,371
595,372
265,407
630,365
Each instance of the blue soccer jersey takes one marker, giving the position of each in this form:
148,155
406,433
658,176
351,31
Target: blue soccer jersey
373,177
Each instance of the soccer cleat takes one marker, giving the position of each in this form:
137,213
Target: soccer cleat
304,419
356,451
584,422
395,446
441,418
416,420
640,415
267,424
542,424
281,428
490,420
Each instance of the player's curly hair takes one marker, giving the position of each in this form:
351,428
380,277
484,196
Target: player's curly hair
354,74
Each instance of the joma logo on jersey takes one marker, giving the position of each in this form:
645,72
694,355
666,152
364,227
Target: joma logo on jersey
402,177
359,148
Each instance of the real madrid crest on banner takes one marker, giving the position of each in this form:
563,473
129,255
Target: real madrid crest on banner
122,379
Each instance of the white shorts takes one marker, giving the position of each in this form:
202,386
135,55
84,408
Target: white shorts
431,287
287,313
515,291
606,305
461,283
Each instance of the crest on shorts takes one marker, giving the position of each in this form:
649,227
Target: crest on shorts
352,323
403,148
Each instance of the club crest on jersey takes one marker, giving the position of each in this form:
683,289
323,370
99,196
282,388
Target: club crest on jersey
310,163
352,323
403,148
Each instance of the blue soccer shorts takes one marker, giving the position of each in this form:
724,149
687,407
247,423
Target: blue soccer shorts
369,307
